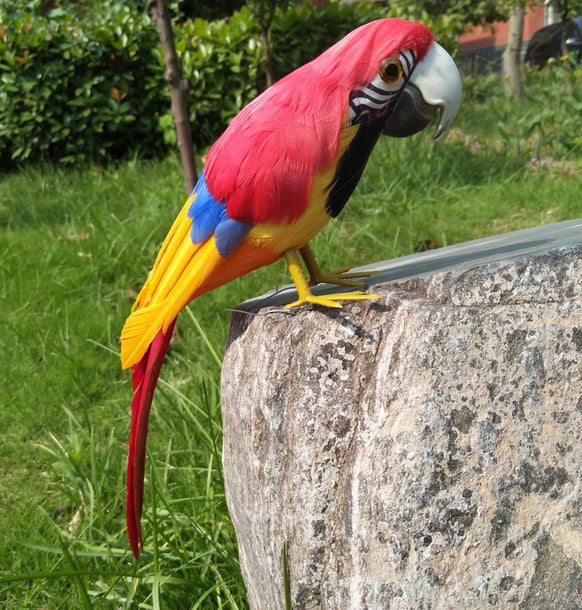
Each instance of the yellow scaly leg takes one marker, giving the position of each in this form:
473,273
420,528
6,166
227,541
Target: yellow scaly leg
339,276
304,291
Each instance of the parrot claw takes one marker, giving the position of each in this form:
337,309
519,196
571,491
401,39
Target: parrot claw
331,300
304,293
339,277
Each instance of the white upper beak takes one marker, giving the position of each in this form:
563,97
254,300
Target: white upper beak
438,80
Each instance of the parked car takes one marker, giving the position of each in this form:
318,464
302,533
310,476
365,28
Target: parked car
555,41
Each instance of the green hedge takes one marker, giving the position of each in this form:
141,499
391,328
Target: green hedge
84,82
300,34
76,90
223,61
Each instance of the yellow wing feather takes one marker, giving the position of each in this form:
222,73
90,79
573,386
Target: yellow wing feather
180,269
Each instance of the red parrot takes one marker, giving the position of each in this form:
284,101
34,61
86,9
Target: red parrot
286,165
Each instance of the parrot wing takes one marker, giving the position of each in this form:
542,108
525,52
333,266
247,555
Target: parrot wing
264,165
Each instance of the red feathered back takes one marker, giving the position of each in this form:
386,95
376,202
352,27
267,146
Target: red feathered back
263,164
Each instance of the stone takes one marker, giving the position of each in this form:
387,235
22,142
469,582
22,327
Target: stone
419,451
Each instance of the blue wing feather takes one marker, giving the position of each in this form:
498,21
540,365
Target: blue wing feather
229,233
205,212
209,217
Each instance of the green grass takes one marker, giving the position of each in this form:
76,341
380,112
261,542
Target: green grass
74,248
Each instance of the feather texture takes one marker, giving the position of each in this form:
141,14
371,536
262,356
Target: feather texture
145,377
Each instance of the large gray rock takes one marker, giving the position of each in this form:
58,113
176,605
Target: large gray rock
420,451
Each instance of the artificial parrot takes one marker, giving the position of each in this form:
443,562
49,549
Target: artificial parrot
286,165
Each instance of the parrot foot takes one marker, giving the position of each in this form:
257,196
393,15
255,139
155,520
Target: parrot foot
304,291
340,277
331,300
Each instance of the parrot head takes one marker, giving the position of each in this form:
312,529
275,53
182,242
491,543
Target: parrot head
413,78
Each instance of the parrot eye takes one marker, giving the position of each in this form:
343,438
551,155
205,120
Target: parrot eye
391,70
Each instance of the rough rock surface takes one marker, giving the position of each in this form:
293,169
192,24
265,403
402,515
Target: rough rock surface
421,451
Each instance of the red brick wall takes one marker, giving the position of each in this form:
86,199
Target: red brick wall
480,37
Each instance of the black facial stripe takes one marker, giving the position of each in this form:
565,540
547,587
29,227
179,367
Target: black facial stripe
409,62
380,90
364,94
358,111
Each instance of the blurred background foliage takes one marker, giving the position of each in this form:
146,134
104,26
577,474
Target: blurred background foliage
83,82
77,85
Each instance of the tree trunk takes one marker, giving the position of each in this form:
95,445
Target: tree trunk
512,53
267,55
178,88
263,12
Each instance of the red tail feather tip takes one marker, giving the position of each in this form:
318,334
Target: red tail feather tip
145,377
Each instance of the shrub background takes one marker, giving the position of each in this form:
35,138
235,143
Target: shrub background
82,85
78,88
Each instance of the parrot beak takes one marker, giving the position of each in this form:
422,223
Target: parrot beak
435,83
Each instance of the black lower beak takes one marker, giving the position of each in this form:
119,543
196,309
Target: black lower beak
411,115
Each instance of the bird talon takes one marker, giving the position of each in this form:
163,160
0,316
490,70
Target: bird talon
331,300
343,274
329,278
312,299
340,277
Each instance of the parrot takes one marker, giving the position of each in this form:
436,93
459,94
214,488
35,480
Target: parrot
287,164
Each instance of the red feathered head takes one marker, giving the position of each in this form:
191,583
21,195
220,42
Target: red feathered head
357,58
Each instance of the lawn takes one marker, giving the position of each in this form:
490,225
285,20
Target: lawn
76,245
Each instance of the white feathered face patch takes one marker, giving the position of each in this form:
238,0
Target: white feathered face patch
378,97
